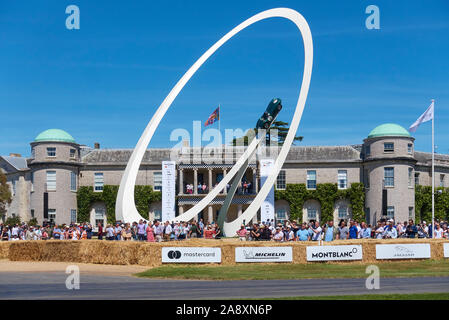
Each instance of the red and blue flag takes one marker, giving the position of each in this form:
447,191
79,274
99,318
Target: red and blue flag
215,116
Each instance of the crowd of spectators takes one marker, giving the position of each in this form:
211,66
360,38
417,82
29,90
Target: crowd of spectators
157,231
314,231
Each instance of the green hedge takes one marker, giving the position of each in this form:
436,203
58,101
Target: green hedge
326,194
143,196
423,203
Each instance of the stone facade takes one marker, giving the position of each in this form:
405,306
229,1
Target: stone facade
387,165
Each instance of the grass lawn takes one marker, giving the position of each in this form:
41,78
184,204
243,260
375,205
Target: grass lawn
297,271
415,296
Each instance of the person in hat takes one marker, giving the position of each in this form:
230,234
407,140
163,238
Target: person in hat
278,235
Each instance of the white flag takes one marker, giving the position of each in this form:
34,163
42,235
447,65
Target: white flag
426,116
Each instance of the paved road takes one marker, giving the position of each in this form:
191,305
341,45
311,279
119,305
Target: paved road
15,285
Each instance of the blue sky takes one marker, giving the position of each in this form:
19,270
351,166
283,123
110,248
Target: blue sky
102,83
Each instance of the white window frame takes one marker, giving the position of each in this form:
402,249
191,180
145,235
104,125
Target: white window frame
98,181
49,182
410,177
157,214
73,213
416,178
50,151
73,181
389,178
390,209
281,215
281,180
342,176
388,150
309,174
346,210
32,181
72,155
157,181
309,216
51,215
410,148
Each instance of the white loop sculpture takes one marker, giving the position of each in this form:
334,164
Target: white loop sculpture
125,207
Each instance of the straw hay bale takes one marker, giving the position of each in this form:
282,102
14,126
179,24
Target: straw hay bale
4,249
63,251
109,252
149,253
26,250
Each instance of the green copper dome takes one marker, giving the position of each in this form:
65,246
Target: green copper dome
54,135
389,130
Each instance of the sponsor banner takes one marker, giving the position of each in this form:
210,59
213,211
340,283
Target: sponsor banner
446,250
263,254
334,253
191,255
403,251
267,207
168,190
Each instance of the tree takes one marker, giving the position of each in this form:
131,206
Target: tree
5,194
282,130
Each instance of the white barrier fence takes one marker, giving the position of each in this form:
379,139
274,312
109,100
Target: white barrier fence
403,251
334,253
285,254
264,254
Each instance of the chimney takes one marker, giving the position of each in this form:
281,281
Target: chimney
185,143
17,155
96,145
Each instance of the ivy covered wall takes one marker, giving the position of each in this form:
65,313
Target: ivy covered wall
423,203
326,194
86,197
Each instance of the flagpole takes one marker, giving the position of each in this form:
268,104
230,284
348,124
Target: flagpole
433,172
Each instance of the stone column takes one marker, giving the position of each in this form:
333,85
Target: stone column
180,210
225,191
181,181
210,214
255,187
255,219
239,210
195,181
210,179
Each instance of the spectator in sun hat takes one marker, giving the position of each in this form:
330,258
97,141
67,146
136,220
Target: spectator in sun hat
390,231
278,235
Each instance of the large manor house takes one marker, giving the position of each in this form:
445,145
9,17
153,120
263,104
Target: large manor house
44,186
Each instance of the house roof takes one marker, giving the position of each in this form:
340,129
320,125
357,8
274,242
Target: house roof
18,163
296,153
52,135
389,130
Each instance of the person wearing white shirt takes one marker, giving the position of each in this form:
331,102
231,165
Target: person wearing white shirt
390,231
438,231
316,232
359,229
167,231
